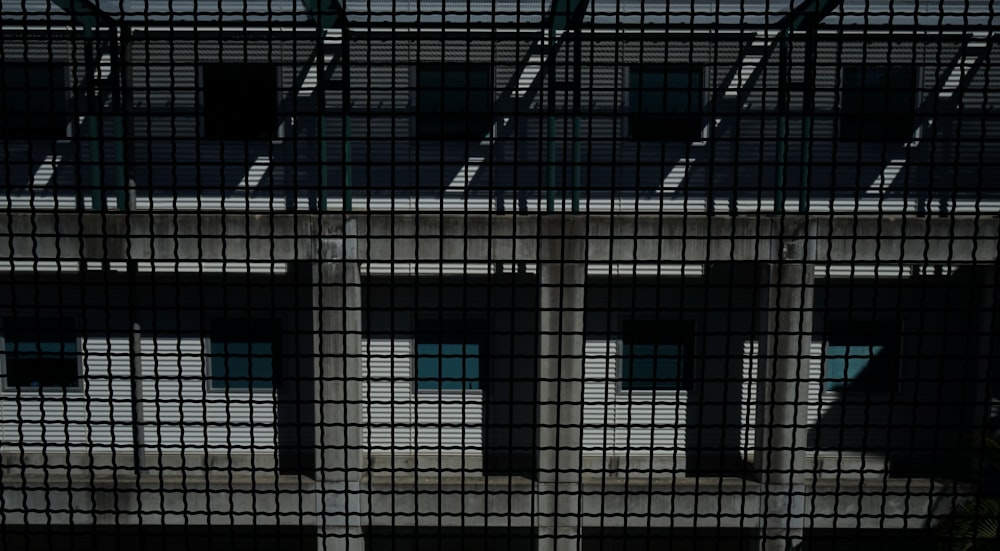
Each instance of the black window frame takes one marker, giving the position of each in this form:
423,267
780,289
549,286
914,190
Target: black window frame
220,330
469,331
854,333
225,105
38,329
648,332
430,124
661,125
868,119
45,123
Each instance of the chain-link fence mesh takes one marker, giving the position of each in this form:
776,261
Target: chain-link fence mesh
582,275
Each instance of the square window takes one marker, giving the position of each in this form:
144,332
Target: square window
242,354
861,357
878,103
34,100
656,355
41,353
454,101
240,101
665,103
450,356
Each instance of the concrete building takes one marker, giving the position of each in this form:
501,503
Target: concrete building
571,275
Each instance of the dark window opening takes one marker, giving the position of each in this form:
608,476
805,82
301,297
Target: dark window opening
450,356
656,355
878,103
861,357
240,101
41,353
34,97
665,103
454,101
242,354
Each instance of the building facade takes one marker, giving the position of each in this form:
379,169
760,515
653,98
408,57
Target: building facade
570,275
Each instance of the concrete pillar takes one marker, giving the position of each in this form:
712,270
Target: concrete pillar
562,274
781,430
337,345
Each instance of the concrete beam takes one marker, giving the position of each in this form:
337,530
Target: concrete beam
167,236
477,237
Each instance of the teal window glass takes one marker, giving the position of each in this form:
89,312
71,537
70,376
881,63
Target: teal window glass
34,103
448,365
242,359
655,356
454,101
878,103
41,353
860,357
665,102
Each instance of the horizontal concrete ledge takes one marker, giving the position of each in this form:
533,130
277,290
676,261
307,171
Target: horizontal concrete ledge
481,237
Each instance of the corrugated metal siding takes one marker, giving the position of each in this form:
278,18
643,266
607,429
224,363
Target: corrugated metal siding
434,421
598,398
96,417
181,414
387,418
635,421
748,395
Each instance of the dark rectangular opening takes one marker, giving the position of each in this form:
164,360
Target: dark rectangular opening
243,354
34,100
41,353
240,101
665,102
454,101
877,103
656,355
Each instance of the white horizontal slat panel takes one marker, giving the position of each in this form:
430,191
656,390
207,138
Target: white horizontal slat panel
647,421
449,422
748,402
96,417
179,413
815,397
598,398
387,417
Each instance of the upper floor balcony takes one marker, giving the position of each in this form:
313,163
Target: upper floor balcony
501,106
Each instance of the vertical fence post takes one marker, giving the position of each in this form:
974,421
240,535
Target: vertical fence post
337,345
782,419
562,274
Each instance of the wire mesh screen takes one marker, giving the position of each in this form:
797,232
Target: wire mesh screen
583,275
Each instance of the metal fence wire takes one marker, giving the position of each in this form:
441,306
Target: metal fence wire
553,275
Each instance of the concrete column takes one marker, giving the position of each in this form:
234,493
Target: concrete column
337,345
562,274
781,430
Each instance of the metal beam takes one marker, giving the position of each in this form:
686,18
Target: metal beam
328,13
85,13
808,15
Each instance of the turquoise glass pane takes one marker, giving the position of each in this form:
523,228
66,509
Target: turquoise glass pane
447,366
846,363
40,349
653,366
242,365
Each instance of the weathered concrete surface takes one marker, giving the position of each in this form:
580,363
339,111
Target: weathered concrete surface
490,237
782,419
337,347
562,279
